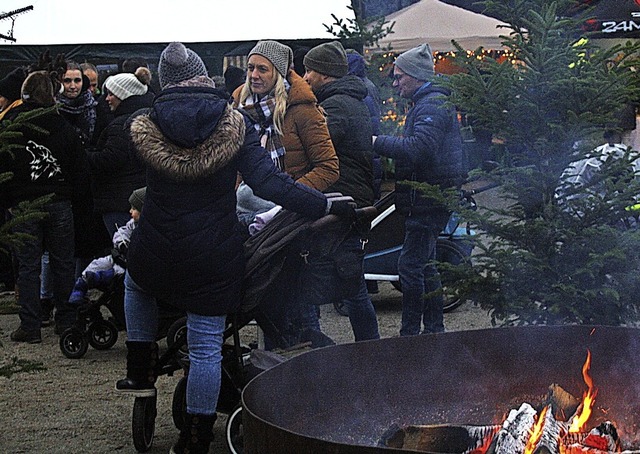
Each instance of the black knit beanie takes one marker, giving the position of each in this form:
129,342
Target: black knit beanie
11,84
137,198
329,59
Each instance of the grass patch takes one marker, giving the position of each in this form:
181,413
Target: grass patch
17,366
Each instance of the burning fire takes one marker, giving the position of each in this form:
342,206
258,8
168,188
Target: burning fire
536,432
589,397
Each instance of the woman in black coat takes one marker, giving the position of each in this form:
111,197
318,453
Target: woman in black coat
188,246
115,171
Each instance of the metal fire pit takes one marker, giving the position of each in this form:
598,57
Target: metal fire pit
342,399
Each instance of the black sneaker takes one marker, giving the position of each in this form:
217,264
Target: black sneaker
135,388
30,337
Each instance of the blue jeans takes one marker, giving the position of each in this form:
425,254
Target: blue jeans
114,220
46,286
322,283
55,234
205,336
419,278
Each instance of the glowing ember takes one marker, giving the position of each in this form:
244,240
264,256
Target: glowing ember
581,419
536,432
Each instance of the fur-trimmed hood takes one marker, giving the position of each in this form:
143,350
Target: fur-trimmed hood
180,162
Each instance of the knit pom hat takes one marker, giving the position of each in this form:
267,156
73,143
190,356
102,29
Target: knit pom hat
329,59
38,89
125,85
417,62
11,84
280,56
137,198
177,63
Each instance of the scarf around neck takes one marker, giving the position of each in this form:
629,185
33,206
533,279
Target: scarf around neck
261,112
84,106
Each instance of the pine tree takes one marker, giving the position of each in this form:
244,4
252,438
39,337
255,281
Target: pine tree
540,262
10,133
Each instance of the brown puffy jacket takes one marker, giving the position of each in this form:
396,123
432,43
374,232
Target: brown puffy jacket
310,157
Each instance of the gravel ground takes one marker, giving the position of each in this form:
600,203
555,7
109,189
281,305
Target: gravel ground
71,407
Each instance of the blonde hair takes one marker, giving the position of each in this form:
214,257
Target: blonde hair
280,95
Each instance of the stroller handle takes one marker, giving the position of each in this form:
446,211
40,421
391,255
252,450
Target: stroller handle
363,215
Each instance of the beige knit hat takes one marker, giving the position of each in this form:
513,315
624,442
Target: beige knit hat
125,85
278,54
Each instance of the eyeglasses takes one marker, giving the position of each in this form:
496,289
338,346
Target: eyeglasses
68,80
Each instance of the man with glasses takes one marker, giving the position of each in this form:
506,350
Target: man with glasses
429,151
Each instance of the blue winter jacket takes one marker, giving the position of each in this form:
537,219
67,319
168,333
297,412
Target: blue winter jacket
430,150
188,246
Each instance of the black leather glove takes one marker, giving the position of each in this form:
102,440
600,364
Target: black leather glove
343,209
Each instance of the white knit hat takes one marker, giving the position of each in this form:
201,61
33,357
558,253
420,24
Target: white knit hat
125,85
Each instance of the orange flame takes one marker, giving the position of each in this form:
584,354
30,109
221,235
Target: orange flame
536,432
588,398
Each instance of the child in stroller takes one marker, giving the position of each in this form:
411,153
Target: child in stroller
101,271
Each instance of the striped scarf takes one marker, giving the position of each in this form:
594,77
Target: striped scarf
261,112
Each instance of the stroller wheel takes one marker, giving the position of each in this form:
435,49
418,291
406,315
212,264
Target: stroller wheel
177,334
234,431
179,403
103,334
73,343
144,422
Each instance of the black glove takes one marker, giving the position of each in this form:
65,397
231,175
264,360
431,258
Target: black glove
343,209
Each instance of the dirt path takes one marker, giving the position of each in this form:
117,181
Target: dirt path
70,406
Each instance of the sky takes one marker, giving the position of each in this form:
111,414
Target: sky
125,21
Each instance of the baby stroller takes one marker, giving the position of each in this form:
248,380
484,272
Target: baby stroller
266,261
92,328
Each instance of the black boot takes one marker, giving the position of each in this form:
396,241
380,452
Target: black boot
142,358
196,435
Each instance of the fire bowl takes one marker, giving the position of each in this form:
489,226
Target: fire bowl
343,399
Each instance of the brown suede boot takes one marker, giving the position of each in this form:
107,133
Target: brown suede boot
196,435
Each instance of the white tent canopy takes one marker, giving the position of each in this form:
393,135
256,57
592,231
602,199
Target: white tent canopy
126,21
437,23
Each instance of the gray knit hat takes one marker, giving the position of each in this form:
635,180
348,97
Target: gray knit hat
125,85
177,63
137,198
329,59
278,54
417,62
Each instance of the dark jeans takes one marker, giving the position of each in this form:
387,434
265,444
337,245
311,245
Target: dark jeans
419,276
329,279
290,313
54,233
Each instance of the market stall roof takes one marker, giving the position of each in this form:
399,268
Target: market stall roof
606,18
437,23
126,21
